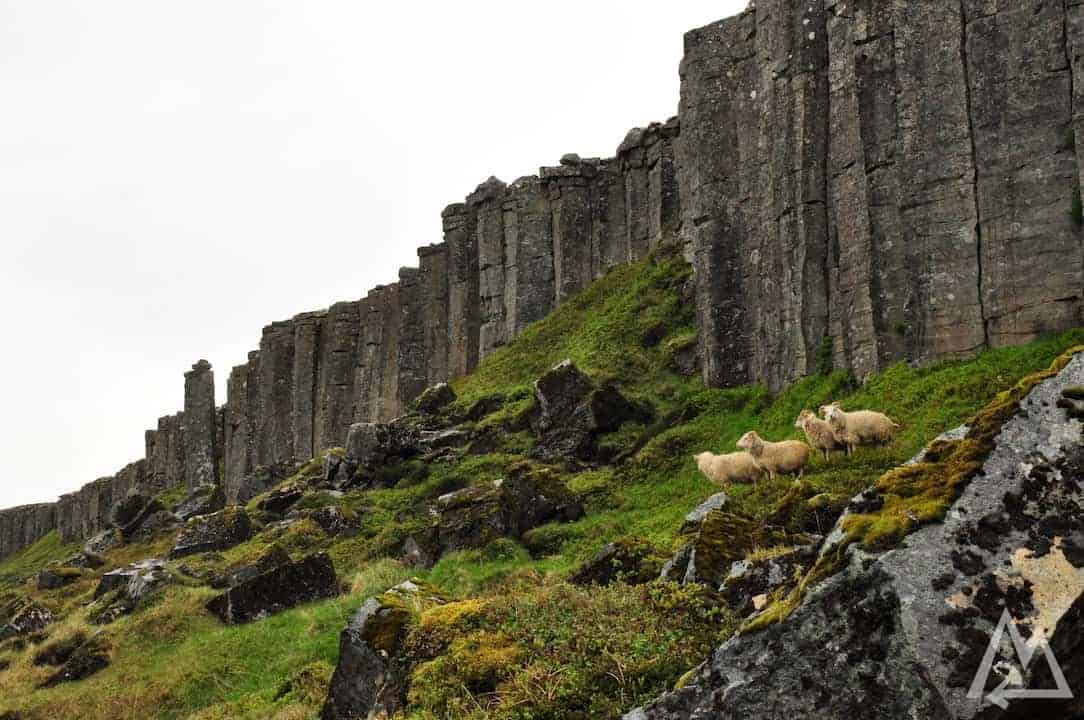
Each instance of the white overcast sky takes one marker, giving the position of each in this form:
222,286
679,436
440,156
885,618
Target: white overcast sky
176,175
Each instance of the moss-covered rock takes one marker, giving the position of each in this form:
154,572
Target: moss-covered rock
628,560
217,531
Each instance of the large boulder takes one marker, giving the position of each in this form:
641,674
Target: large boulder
909,631
283,587
202,500
434,399
273,556
132,514
103,541
282,498
716,542
218,531
370,680
27,618
475,516
571,413
121,591
750,582
370,446
628,561
87,658
54,577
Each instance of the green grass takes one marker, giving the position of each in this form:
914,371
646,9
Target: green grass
534,647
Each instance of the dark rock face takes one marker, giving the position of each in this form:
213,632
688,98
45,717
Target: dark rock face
901,634
282,499
274,556
371,678
572,413
101,542
219,531
630,562
127,587
308,579
750,582
203,500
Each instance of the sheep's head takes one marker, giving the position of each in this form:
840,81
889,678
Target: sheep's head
803,418
834,416
750,441
825,409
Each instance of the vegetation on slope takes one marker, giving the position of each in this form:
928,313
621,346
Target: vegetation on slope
517,641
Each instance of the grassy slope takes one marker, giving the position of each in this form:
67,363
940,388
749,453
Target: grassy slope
604,651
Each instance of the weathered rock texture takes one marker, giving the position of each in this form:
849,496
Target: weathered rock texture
863,181
902,633
896,177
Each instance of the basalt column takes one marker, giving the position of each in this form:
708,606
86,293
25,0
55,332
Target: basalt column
412,362
528,237
307,339
198,427
487,206
275,385
339,345
377,380
463,323
570,202
609,219
433,279
242,397
716,155
1021,102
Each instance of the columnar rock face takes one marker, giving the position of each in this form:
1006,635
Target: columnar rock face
199,427
854,181
895,178
24,525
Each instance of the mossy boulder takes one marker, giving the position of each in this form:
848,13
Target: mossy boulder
218,531
122,591
629,560
282,587
571,413
435,399
371,677
719,540
55,577
752,581
269,558
26,618
281,498
203,500
87,659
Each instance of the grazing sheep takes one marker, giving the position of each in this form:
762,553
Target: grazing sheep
860,427
778,458
819,433
728,468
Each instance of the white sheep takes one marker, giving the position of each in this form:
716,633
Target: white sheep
860,427
819,433
778,458
728,468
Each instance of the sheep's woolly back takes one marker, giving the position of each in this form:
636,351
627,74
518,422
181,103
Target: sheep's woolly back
728,468
788,456
861,427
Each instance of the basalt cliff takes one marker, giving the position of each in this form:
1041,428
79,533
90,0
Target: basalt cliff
854,181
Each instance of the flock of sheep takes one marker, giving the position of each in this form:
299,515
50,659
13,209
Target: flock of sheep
840,430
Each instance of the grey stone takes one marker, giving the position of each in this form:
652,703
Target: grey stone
202,500
281,588
217,531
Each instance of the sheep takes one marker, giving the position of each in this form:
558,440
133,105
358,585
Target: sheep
728,468
777,458
860,427
819,433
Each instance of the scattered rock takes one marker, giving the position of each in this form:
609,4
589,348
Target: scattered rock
89,658
84,560
696,516
28,618
203,500
123,590
218,531
750,579
475,516
273,556
434,399
370,680
129,508
414,555
572,413
308,579
55,577
102,542
571,160
332,520
282,498
629,561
